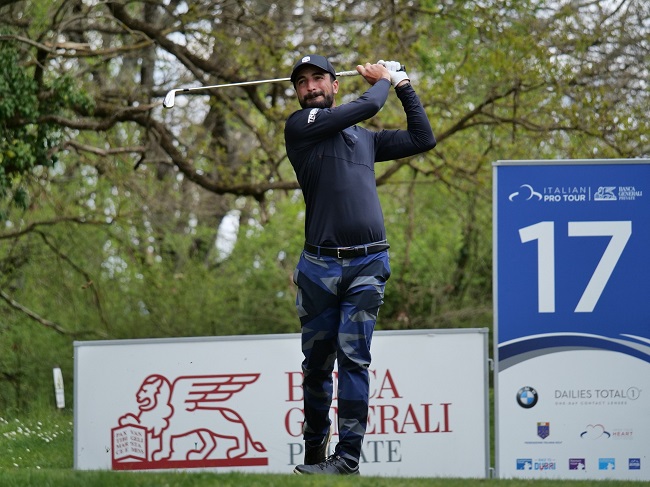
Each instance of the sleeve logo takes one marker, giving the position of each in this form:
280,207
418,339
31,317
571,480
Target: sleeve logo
312,115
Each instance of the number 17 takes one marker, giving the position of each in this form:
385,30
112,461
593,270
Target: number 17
544,233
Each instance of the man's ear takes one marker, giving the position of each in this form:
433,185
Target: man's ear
335,86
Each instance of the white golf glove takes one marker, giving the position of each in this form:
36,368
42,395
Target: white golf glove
394,67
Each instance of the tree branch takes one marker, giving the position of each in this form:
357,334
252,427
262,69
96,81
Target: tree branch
79,147
39,319
89,282
32,226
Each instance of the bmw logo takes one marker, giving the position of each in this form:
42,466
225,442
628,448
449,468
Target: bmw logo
527,397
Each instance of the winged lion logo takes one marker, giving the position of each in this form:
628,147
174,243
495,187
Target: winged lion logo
193,405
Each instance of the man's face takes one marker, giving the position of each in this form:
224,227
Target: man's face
315,88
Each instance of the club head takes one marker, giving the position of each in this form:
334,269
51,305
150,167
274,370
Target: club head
170,97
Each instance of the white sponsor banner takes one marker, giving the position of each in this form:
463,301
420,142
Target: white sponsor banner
579,414
235,404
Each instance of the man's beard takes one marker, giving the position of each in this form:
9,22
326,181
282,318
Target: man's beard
310,101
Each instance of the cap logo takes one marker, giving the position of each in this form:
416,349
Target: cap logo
306,59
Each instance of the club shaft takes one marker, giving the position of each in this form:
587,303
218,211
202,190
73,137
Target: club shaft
169,99
249,83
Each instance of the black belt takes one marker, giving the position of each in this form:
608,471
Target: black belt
347,252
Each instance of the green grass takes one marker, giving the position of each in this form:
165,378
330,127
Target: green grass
136,479
38,451
40,443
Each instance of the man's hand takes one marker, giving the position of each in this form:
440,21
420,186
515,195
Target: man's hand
373,72
397,77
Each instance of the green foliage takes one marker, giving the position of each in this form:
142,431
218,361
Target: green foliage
18,101
440,255
27,356
26,142
111,205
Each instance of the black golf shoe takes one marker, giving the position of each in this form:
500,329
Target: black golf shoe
333,465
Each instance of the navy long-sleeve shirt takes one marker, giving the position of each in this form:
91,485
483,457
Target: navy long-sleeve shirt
334,161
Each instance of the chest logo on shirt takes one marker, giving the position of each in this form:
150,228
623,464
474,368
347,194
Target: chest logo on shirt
312,115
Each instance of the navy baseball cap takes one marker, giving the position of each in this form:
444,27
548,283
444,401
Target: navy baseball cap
315,60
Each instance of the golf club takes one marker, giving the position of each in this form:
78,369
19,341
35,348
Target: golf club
170,97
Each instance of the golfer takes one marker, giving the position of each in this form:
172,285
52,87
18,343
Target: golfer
344,267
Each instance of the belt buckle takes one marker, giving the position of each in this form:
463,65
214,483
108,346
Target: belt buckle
338,251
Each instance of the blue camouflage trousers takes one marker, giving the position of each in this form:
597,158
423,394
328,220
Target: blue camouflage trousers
338,301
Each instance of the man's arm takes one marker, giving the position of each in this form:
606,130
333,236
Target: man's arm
418,136
310,125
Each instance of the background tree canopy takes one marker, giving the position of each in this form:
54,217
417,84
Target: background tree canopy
121,219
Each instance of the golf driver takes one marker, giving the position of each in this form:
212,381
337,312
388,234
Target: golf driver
170,98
